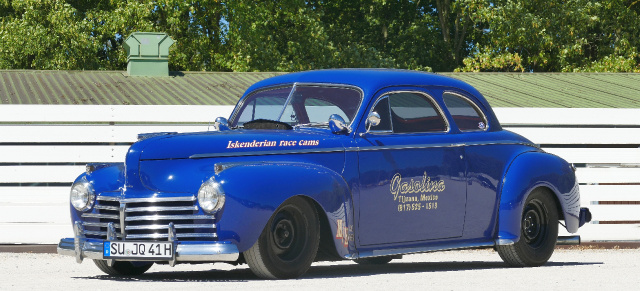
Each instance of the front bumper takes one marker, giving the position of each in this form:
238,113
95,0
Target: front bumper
185,251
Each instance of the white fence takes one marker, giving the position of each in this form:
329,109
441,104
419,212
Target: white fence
44,147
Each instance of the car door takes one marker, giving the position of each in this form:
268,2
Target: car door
412,173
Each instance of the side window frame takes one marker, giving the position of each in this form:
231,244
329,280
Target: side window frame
431,100
387,114
478,110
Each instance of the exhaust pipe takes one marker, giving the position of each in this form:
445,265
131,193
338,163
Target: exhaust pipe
573,240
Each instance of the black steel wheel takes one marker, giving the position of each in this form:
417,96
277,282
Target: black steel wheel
538,234
288,243
123,268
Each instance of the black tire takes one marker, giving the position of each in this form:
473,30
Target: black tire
376,260
123,268
288,243
538,235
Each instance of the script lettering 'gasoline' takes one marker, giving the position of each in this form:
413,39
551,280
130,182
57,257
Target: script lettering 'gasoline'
398,186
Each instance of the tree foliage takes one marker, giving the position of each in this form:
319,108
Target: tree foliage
557,36
293,35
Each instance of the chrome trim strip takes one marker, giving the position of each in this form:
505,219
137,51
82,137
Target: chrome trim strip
201,252
108,198
100,233
267,153
159,199
422,146
368,148
166,235
96,215
103,207
165,208
100,224
167,217
176,226
403,251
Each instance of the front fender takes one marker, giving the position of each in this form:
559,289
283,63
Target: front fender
255,190
527,172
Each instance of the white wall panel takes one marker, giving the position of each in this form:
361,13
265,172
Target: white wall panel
608,175
590,193
34,233
85,133
578,136
62,154
113,113
606,232
598,155
568,116
39,174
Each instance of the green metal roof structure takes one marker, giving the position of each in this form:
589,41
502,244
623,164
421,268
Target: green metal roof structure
552,90
557,90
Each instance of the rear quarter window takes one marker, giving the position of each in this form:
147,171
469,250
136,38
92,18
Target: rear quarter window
466,115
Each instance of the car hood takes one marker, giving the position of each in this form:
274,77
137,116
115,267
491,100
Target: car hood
237,142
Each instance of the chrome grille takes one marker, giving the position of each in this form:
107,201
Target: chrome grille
149,218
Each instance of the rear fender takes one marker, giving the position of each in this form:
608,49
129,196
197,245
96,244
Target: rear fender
527,172
255,190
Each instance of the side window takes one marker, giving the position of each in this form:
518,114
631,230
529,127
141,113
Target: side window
467,116
415,112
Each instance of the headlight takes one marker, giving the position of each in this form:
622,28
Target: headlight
211,196
82,195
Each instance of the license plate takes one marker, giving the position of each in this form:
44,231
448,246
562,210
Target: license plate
143,250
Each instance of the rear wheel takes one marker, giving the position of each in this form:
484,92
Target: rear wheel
123,268
538,235
288,243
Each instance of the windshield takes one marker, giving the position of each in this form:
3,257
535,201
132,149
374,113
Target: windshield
299,105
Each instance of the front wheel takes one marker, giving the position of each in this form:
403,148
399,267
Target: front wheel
288,243
123,268
538,234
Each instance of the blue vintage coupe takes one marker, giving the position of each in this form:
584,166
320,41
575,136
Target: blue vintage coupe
352,164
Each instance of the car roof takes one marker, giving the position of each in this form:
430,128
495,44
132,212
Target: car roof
370,80
373,80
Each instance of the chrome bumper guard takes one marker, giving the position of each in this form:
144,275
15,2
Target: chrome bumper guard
190,251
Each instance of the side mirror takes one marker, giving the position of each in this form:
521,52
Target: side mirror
221,124
337,124
372,120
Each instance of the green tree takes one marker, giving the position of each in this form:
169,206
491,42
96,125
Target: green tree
49,35
275,36
557,36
